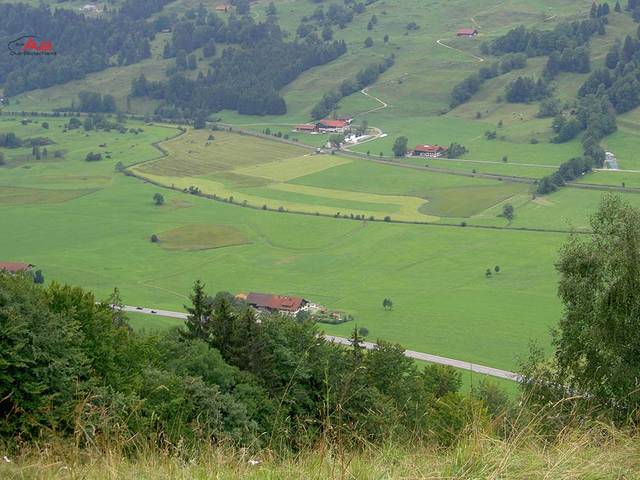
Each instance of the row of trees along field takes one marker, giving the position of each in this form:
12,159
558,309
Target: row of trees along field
73,368
246,77
83,44
363,78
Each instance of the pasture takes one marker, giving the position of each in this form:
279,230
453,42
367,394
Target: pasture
443,303
282,176
99,222
435,275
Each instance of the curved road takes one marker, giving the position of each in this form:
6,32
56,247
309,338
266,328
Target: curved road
426,357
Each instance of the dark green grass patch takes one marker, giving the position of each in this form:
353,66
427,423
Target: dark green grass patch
201,237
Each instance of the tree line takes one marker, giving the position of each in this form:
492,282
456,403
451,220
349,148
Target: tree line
596,118
468,87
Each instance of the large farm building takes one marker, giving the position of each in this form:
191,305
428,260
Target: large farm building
429,151
339,125
270,303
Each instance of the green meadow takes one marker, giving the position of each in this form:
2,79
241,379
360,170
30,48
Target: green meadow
99,223
84,223
435,275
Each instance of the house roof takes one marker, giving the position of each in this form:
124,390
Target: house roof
305,126
333,123
14,267
467,31
275,302
429,148
223,6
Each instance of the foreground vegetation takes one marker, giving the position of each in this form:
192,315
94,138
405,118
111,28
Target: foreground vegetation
600,452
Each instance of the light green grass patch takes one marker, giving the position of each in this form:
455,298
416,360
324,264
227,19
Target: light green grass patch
288,169
152,324
201,237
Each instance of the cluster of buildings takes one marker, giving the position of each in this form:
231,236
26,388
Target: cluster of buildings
326,125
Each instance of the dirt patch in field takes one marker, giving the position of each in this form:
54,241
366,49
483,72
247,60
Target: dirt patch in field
201,237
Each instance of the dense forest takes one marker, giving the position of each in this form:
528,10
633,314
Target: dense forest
82,44
256,63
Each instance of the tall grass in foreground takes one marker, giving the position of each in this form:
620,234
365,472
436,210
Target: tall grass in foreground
600,452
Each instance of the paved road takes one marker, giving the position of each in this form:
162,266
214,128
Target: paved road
494,372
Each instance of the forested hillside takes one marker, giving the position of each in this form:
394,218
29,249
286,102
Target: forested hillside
82,44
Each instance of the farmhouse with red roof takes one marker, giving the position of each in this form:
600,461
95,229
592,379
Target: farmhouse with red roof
15,267
467,32
276,303
431,151
340,125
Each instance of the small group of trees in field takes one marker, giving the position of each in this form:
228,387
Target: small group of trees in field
158,199
508,212
387,304
488,272
93,157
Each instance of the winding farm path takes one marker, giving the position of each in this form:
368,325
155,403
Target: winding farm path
442,44
383,105
426,357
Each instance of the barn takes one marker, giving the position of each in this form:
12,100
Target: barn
430,151
467,32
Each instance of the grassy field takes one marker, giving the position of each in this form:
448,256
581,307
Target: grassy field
101,239
263,172
416,89
98,225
